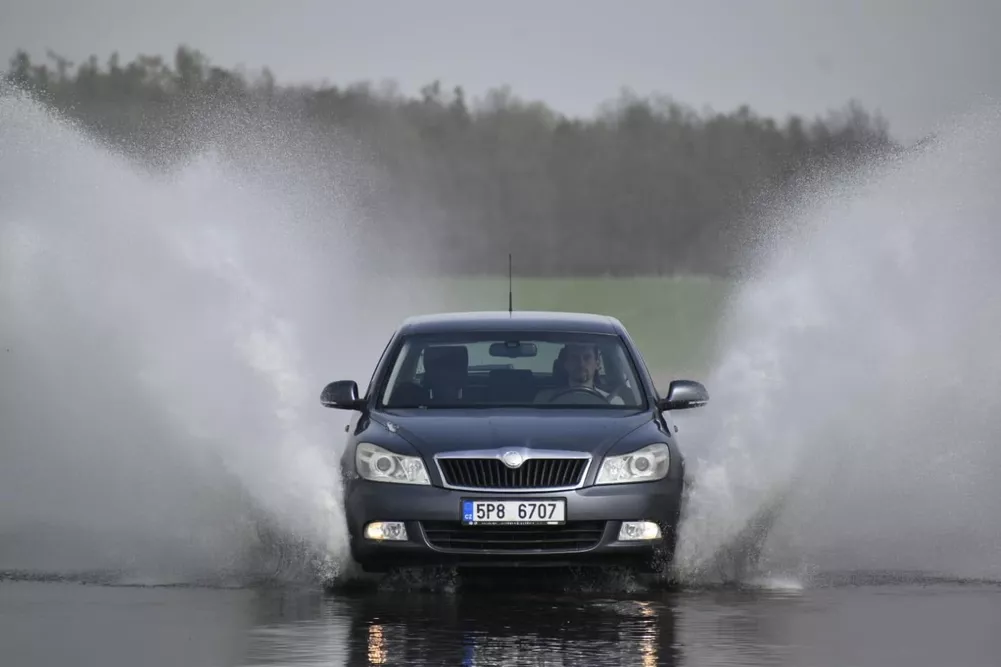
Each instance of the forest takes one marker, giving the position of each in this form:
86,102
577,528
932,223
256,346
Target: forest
645,186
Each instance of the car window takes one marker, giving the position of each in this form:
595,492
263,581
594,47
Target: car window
480,358
513,369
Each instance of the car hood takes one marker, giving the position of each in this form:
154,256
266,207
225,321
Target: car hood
433,434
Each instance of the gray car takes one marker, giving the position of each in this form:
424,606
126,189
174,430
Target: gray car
518,439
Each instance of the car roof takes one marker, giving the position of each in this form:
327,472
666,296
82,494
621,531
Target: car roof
502,320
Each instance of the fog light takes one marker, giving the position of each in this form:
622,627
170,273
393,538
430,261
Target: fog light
386,530
638,530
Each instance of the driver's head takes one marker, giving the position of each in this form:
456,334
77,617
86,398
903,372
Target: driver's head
581,363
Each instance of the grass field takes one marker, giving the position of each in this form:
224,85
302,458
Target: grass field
673,319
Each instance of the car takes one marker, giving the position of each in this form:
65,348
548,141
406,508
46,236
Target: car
512,439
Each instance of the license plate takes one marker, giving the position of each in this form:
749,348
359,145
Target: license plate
514,512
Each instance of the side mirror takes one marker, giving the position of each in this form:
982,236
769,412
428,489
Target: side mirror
342,395
683,395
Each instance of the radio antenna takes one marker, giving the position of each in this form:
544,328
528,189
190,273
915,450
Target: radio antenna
510,291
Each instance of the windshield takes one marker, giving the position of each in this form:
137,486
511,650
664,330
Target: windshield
510,369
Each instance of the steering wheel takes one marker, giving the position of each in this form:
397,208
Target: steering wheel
581,390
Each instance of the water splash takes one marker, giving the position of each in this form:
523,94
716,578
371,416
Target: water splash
855,413
164,338
162,348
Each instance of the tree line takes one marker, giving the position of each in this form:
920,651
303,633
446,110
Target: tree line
646,185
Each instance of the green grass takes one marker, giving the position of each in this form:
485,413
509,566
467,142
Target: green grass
673,319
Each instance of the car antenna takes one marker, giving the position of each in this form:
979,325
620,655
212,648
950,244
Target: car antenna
510,291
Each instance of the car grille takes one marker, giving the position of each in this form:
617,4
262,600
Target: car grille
572,536
493,474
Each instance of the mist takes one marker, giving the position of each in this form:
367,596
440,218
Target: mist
166,336
177,291
854,421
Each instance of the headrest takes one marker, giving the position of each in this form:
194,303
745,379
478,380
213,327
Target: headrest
558,370
442,357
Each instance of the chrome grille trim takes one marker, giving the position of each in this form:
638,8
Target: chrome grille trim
527,454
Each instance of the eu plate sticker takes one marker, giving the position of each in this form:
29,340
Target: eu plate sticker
467,510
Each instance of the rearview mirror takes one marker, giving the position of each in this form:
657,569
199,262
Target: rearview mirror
683,395
342,395
513,349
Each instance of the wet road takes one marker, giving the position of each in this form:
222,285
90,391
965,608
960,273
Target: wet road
54,624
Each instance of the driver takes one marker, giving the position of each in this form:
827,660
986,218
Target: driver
580,363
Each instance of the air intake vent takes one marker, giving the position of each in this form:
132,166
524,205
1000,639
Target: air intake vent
493,474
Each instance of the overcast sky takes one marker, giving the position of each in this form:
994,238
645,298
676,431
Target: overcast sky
917,61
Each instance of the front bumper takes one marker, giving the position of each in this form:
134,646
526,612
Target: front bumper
436,536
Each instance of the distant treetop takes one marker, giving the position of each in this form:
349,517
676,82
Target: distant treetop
647,185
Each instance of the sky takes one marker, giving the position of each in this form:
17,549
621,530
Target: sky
918,62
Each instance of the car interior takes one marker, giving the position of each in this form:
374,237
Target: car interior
448,378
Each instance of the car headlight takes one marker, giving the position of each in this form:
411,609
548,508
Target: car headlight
644,465
381,465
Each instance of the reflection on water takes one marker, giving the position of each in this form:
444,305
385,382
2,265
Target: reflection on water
61,625
509,631
432,629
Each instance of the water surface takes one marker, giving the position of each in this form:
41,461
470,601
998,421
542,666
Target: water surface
54,624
